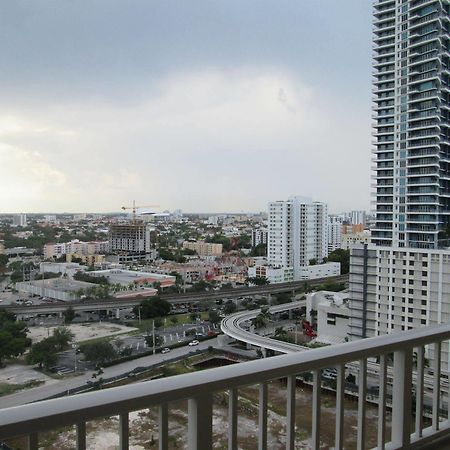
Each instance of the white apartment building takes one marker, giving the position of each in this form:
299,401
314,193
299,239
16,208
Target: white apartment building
50,218
272,274
334,233
358,217
259,236
394,289
329,269
20,220
297,233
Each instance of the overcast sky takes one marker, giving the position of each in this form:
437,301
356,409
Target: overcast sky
207,106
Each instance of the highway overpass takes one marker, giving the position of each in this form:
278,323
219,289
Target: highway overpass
115,303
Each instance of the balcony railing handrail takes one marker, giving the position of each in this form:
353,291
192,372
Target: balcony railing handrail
48,414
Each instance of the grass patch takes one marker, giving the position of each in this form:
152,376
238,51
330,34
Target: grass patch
6,388
183,319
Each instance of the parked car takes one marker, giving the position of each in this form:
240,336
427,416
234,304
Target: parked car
330,374
194,342
165,350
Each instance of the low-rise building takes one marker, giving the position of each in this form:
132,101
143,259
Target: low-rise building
272,274
67,269
56,250
89,260
131,277
351,239
329,314
330,269
56,288
204,248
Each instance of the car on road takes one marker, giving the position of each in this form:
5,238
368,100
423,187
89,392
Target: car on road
330,374
194,342
165,350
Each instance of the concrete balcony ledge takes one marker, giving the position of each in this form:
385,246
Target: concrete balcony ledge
198,387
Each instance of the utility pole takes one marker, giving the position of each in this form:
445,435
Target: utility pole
139,313
154,340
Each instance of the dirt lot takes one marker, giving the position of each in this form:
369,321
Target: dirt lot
103,434
82,332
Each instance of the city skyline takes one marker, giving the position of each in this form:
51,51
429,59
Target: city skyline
186,115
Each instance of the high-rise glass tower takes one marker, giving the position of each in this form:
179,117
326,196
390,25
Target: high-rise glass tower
412,123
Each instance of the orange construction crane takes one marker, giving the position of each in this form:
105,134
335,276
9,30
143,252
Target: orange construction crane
134,208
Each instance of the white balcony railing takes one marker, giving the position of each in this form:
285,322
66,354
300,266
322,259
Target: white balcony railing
198,388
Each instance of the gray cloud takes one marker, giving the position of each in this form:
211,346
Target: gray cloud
185,104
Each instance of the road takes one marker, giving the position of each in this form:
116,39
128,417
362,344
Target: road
45,391
231,326
112,303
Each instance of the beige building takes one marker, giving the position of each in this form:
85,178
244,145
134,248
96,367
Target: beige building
90,260
351,239
204,248
55,250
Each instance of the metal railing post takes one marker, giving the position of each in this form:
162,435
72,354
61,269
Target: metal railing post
362,393
124,431
262,417
232,419
381,435
81,436
200,423
340,386
32,442
290,413
401,398
315,438
436,386
163,428
419,391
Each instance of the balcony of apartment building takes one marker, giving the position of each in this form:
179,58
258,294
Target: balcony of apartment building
407,411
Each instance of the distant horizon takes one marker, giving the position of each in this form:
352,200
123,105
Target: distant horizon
183,212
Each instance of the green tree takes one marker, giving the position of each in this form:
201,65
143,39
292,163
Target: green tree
3,262
69,315
152,307
229,307
214,316
283,297
262,318
149,340
174,319
201,286
84,276
220,239
258,281
259,250
342,256
44,353
63,336
13,336
194,316
99,352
